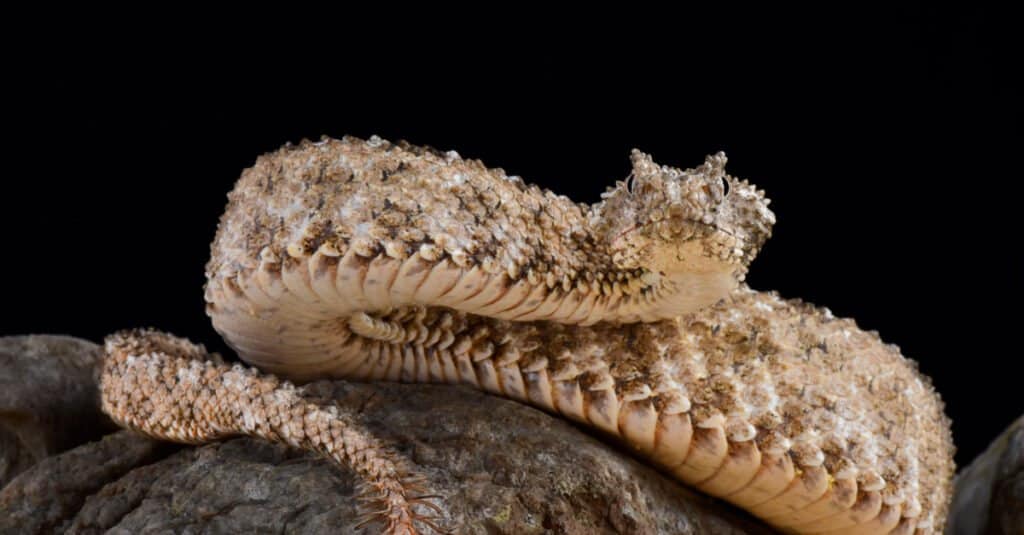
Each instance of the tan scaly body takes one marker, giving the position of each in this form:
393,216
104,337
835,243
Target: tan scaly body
365,260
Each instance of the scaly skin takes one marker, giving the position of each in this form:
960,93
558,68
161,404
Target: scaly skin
171,389
364,260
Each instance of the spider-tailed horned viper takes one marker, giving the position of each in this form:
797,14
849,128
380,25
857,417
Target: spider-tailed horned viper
367,260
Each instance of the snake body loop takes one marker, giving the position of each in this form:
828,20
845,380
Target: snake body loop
371,261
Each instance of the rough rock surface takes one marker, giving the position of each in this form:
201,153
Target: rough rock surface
989,493
48,399
501,466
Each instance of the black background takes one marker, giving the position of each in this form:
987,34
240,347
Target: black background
888,143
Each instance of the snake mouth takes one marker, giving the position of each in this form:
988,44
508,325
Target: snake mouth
696,222
623,234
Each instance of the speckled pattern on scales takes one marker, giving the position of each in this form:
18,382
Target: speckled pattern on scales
372,261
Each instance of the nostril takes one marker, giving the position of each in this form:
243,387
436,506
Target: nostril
725,186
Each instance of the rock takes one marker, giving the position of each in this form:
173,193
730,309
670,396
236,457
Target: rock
60,488
989,494
48,399
502,467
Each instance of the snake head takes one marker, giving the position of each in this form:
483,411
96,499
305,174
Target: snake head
698,226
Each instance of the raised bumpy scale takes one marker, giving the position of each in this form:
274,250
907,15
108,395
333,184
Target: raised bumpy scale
371,261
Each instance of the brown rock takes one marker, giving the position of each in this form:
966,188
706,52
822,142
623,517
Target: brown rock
989,494
48,496
48,399
502,468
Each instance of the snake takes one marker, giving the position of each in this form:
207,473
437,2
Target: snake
368,260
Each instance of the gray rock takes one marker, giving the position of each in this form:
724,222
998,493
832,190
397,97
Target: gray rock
502,467
989,493
53,493
48,399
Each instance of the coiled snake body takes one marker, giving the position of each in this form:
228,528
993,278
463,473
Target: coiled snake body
366,260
